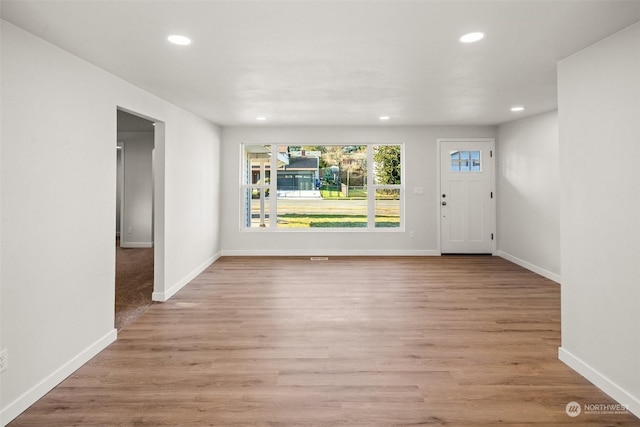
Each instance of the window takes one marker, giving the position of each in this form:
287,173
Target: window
465,161
387,184
322,186
255,185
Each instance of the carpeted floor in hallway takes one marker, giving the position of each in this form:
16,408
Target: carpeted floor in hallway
134,283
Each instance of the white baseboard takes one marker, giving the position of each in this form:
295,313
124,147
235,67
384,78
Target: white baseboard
602,382
532,267
15,408
131,245
164,296
316,252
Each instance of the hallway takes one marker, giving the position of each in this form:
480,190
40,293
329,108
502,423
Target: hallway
134,283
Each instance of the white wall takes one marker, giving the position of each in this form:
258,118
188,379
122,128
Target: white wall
528,203
421,215
599,114
137,206
58,177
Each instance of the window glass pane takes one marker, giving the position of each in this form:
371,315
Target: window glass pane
256,177
256,174
475,161
321,213
455,161
387,168
465,164
322,186
387,207
256,207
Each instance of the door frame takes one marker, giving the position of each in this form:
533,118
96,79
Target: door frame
493,185
158,198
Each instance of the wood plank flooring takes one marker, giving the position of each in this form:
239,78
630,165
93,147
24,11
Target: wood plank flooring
455,341
134,283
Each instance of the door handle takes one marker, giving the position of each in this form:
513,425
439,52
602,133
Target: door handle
444,203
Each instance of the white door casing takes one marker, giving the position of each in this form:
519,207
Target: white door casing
467,195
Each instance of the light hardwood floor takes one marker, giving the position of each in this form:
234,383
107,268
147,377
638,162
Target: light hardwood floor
350,341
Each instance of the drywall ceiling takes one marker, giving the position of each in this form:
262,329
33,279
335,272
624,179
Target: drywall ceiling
332,62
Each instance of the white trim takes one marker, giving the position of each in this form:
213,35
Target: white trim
120,179
135,244
120,182
330,252
599,380
158,197
158,219
438,194
325,230
532,267
15,408
164,296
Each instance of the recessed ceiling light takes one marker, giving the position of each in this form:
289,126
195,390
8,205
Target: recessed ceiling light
179,40
261,118
472,37
384,117
517,108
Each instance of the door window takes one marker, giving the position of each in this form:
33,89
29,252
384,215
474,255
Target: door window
465,161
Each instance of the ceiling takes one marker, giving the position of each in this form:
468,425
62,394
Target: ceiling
332,62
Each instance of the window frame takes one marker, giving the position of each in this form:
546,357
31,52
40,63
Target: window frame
246,170
272,226
371,211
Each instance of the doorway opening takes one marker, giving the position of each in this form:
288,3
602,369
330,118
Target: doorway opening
134,237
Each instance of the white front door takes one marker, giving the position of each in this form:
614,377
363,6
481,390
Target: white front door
466,195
